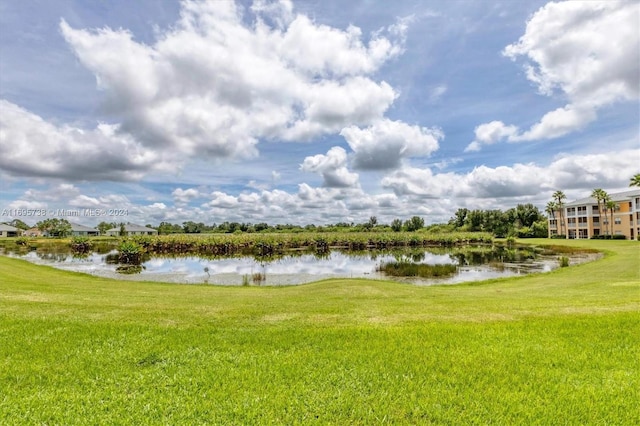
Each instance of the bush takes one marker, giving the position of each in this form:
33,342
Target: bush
130,252
559,237
81,244
22,241
564,261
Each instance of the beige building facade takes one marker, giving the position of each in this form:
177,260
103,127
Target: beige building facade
583,219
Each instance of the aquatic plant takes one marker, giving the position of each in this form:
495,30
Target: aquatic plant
564,261
130,252
22,241
410,269
81,244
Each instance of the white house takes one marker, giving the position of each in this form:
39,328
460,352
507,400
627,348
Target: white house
9,231
83,231
132,229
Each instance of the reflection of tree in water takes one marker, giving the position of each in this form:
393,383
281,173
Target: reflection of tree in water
52,256
81,256
497,254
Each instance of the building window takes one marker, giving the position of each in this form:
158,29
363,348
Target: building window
617,221
596,221
571,220
594,209
582,210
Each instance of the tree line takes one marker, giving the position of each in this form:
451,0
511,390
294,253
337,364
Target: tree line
522,221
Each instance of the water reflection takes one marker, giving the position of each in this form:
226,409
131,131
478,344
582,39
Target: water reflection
473,263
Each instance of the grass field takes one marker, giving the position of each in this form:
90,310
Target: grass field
555,348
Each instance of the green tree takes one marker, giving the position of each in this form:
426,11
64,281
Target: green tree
19,224
612,206
559,198
373,221
396,225
550,209
191,227
635,180
103,227
459,217
414,224
55,227
600,196
474,220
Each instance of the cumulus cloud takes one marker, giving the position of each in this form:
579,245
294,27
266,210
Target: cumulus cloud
185,196
409,191
384,144
222,78
31,146
332,167
588,52
602,170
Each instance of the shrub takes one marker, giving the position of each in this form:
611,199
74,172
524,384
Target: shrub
22,241
81,244
130,252
408,269
564,261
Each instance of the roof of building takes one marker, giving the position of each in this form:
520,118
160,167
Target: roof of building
81,228
5,227
618,196
132,227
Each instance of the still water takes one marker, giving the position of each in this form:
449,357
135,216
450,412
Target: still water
472,264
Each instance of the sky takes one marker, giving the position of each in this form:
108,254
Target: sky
312,111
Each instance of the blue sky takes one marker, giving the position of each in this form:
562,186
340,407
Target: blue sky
313,111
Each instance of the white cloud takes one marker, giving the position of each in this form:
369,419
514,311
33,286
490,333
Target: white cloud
436,92
490,133
31,146
588,51
609,170
184,196
558,123
215,84
385,143
221,200
332,167
409,191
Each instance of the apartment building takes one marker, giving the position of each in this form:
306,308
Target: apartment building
582,218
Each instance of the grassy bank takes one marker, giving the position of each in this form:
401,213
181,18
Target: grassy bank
552,348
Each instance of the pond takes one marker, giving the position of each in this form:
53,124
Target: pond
468,263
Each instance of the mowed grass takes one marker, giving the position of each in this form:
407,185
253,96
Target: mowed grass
555,348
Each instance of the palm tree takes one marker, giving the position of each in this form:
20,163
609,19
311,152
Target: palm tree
611,206
635,180
600,195
551,210
559,197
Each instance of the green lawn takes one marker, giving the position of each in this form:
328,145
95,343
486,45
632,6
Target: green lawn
555,348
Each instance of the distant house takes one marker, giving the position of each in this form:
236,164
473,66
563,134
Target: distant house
83,231
34,232
9,231
132,229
